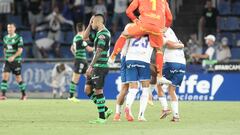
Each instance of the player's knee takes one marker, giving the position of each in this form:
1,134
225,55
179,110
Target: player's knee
133,91
145,84
133,85
99,91
18,78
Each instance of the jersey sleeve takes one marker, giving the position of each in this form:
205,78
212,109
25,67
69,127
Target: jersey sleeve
20,42
101,43
130,10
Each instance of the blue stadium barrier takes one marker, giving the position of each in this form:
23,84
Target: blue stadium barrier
195,86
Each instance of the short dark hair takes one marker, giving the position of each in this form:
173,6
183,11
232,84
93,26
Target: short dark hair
100,15
11,23
79,27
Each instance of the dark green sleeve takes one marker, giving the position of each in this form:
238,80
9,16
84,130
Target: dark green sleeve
101,41
20,42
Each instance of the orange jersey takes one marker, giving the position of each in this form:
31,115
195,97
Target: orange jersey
151,11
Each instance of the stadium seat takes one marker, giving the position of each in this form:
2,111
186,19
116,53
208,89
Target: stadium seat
235,53
229,35
236,8
15,19
232,23
66,37
224,7
27,37
41,34
222,23
66,53
236,38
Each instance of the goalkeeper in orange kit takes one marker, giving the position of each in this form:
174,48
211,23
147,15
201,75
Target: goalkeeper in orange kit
155,15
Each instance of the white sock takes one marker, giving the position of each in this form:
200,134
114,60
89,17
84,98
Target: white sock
143,101
174,105
118,108
131,97
151,89
163,101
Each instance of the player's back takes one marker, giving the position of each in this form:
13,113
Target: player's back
173,55
152,11
139,49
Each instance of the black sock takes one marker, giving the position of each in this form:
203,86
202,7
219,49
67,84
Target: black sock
23,93
3,93
71,95
101,105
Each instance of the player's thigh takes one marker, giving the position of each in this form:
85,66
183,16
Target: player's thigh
167,71
16,68
98,77
133,30
80,66
156,40
131,72
178,76
144,72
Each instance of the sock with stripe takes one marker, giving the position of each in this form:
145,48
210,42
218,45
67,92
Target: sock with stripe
100,102
93,97
22,87
4,87
72,89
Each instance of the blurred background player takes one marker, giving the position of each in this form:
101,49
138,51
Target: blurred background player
138,70
124,84
154,16
13,48
78,49
98,67
174,70
59,73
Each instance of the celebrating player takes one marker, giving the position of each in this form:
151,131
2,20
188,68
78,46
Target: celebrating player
154,16
78,49
13,48
174,70
138,70
98,68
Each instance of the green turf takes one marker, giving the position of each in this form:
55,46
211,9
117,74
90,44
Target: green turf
60,117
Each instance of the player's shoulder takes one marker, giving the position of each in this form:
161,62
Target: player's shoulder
77,37
104,33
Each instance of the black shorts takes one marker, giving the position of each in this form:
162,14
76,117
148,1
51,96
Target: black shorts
14,67
98,78
80,66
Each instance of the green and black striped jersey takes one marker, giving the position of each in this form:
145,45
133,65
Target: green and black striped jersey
11,45
79,46
102,40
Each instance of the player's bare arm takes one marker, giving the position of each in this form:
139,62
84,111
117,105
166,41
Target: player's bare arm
18,53
174,45
94,60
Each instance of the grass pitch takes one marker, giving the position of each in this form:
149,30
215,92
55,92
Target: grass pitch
61,117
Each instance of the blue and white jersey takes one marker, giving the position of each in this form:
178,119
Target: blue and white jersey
173,55
125,48
139,49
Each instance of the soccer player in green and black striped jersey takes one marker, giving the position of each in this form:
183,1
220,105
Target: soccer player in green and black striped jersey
98,69
78,49
13,48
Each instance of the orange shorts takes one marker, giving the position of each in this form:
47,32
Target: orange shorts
140,29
